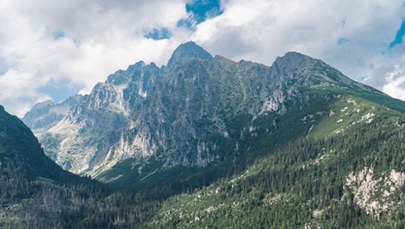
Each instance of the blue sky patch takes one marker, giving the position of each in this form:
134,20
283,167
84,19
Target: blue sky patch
60,90
58,35
3,67
200,11
343,41
399,35
186,23
158,34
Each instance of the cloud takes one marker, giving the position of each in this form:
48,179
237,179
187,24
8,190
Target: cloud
394,78
353,36
13,89
266,29
80,42
396,87
44,42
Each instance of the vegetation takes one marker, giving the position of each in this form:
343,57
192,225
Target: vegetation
300,184
291,174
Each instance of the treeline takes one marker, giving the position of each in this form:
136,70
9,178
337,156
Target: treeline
299,179
307,174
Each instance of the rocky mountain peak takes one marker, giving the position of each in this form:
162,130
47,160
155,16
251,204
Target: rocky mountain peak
293,60
47,113
172,114
122,77
43,104
308,72
187,52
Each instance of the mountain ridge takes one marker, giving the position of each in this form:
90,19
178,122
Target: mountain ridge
194,114
217,143
187,52
18,146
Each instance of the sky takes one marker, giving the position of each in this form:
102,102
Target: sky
54,49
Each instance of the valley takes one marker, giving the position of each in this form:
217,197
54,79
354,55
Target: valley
209,142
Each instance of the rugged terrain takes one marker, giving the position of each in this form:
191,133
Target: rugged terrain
348,172
234,144
36,193
195,112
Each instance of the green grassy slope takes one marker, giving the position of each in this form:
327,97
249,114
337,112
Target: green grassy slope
304,182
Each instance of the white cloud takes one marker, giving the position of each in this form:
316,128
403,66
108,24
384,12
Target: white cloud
396,88
11,91
395,82
353,36
83,41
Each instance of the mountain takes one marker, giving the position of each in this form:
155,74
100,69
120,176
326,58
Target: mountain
187,52
198,111
36,193
352,180
47,113
347,171
209,142
32,186
19,146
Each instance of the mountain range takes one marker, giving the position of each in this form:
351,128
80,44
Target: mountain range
221,143
195,112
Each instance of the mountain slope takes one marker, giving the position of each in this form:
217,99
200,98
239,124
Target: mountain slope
353,177
31,183
149,124
37,193
18,145
209,142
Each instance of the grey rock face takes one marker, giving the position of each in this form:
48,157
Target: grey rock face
45,114
191,113
187,52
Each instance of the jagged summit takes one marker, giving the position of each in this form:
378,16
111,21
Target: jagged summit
293,59
46,113
235,132
43,104
187,52
122,77
295,54
186,114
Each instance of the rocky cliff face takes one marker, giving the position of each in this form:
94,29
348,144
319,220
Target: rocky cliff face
47,113
376,196
192,112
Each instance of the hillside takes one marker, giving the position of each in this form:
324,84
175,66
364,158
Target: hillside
209,142
149,124
36,193
348,172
